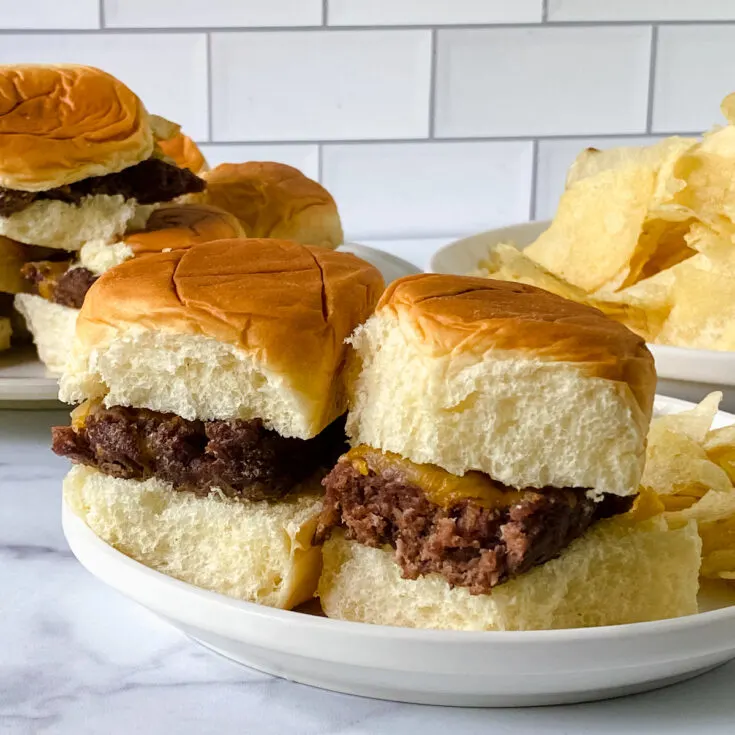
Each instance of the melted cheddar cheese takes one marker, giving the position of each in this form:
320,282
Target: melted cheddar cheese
441,487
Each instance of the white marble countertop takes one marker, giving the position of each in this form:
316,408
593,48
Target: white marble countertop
76,658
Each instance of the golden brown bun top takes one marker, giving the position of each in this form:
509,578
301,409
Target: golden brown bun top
13,256
288,305
176,226
473,315
275,200
184,152
60,124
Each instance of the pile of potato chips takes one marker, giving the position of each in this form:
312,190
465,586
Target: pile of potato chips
689,475
647,235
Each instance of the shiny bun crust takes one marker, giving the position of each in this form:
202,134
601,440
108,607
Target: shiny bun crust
275,200
473,315
178,226
184,152
61,124
242,328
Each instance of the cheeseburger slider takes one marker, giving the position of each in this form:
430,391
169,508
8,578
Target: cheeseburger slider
275,200
58,287
78,156
212,388
184,152
498,436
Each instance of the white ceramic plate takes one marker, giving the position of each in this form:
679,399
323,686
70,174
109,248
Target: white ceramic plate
391,266
682,372
429,666
25,382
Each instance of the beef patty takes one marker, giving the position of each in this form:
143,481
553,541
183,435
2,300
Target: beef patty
242,459
149,181
469,545
58,282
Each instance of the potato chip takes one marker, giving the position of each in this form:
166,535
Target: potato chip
617,213
677,502
703,311
661,155
720,448
708,170
694,423
715,505
595,233
507,263
676,462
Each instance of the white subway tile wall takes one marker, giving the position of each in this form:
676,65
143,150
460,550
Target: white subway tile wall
427,119
429,189
531,81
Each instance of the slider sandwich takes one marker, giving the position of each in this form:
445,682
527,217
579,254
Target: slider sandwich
274,200
79,160
498,437
211,392
58,287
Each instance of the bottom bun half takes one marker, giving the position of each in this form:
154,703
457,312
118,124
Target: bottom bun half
254,551
52,327
617,573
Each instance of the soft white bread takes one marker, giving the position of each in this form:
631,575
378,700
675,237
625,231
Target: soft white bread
474,374
227,329
275,200
169,227
255,551
184,152
56,224
51,326
618,572
6,332
61,124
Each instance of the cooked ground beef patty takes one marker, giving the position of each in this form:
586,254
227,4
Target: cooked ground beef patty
469,545
58,282
242,459
148,182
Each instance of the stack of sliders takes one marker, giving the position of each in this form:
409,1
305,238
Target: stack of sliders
274,200
60,288
498,437
212,391
79,164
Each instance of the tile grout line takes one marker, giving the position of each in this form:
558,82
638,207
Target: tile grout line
320,163
408,27
534,181
475,139
544,11
210,107
432,84
325,13
101,14
652,78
